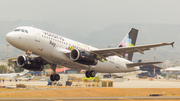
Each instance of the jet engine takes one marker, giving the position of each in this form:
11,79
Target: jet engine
29,63
83,57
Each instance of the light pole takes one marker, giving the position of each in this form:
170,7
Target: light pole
7,57
64,70
154,61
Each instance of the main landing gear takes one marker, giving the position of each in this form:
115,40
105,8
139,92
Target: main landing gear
90,73
54,77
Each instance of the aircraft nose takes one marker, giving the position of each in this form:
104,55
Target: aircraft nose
9,37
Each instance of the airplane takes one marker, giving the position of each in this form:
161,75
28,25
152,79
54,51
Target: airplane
56,50
25,78
14,76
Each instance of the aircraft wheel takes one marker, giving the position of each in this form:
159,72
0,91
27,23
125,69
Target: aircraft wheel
52,77
57,77
92,73
87,74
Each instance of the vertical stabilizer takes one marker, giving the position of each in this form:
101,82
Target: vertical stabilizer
128,41
24,72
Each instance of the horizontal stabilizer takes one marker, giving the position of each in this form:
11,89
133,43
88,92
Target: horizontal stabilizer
141,64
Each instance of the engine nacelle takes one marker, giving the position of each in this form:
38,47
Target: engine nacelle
22,60
29,63
33,67
83,57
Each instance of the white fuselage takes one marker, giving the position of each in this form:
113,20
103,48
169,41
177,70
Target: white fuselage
13,75
52,48
7,76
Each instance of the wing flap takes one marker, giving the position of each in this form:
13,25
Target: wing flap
130,65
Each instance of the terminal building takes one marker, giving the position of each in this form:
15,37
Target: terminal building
171,72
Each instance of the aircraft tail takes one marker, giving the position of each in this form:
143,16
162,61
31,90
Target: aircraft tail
128,41
24,72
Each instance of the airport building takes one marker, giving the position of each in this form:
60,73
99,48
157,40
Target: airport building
150,70
171,72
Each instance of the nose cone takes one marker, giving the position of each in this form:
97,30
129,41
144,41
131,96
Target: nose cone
9,37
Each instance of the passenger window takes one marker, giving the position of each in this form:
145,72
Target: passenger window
17,30
26,31
22,30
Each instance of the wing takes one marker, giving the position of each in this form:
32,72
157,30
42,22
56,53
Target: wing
41,59
141,64
103,53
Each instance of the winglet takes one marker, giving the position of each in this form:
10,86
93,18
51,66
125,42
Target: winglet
172,44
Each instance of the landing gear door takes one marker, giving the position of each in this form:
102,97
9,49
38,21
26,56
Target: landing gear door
37,35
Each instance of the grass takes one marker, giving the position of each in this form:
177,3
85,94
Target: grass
90,92
8,90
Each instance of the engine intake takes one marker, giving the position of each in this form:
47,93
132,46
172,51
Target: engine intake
83,57
21,60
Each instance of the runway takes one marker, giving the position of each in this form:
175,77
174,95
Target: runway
132,83
146,83
93,98
129,90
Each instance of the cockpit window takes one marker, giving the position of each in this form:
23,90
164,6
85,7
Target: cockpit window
26,31
17,30
22,30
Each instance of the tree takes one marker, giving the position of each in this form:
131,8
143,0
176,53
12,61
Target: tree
47,66
3,69
12,63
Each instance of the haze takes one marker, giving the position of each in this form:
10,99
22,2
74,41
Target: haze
100,23
85,16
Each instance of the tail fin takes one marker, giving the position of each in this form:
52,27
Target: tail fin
129,40
24,72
